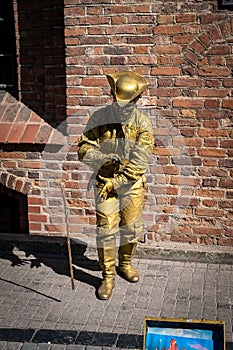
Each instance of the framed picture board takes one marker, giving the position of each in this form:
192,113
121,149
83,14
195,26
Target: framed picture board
182,334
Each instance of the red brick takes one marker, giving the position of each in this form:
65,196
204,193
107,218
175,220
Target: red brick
37,218
4,131
34,227
213,92
26,187
29,134
19,185
183,239
91,81
212,17
207,152
184,201
207,132
209,193
165,19
226,204
226,183
165,71
191,56
213,71
188,103
43,134
212,104
204,39
55,228
166,50
209,203
227,163
16,133
209,212
138,40
34,209
183,39
208,231
188,82
93,40
228,103
36,201
30,164
186,17
228,82
229,232
214,32
34,118
220,50
185,181
77,11
168,29
226,242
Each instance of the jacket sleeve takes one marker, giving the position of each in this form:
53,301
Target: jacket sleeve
139,156
88,146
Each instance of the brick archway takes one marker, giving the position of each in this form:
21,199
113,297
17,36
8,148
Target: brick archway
218,29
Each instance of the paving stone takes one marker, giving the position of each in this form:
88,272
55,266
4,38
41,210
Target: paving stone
43,346
3,345
96,338
28,346
14,345
41,298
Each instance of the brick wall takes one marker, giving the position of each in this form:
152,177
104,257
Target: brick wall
184,49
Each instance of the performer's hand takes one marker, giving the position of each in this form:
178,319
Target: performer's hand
107,188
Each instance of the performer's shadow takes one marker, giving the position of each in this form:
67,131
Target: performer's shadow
55,256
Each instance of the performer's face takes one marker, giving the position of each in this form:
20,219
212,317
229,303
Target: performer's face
124,112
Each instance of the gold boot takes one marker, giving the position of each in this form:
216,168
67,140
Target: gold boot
107,260
125,254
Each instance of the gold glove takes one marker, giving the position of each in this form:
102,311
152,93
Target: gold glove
107,188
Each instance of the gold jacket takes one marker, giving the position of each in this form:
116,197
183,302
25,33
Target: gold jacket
132,141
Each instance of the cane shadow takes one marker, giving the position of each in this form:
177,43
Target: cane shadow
54,256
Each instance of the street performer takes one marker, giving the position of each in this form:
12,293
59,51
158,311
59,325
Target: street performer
117,144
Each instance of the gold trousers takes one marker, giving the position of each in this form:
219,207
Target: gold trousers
121,211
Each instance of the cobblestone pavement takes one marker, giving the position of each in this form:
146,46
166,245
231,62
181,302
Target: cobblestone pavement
39,310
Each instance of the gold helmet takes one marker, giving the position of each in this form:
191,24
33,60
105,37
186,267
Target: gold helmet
126,86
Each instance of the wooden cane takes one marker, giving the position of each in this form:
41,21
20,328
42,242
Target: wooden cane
67,234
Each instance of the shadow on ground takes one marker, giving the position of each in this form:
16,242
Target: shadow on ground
44,252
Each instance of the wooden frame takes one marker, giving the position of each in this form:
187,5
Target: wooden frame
182,334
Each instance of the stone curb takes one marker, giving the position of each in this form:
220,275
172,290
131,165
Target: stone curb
155,250
71,337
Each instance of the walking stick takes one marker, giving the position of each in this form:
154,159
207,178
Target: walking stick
61,182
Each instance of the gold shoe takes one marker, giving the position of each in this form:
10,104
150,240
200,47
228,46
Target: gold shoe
106,287
126,253
107,260
129,273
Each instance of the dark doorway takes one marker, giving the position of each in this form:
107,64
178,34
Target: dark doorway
8,63
13,211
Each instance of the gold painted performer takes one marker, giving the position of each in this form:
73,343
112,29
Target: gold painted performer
117,144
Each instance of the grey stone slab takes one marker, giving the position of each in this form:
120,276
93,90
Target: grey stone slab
96,339
55,336
130,341
16,335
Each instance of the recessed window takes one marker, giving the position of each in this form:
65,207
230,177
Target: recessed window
8,63
225,4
